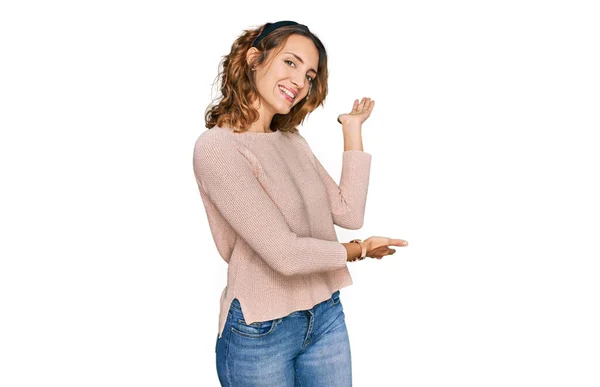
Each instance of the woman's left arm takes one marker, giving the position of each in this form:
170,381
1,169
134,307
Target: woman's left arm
348,199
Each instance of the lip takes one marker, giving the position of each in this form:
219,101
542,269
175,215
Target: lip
295,93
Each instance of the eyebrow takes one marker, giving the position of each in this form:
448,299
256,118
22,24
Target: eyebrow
301,61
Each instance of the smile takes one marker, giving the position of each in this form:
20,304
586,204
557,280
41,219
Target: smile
287,94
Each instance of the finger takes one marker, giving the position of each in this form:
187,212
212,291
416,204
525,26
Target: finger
398,242
362,103
379,250
372,105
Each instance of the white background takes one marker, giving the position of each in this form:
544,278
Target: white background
485,158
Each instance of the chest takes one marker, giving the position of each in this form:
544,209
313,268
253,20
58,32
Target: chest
289,177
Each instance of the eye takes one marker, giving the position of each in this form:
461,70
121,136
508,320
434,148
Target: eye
310,79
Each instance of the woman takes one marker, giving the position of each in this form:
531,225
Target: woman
272,207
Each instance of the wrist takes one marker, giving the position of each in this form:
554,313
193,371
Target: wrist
351,127
363,250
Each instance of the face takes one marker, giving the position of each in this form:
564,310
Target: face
292,69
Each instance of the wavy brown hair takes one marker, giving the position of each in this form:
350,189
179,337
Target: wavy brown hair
234,107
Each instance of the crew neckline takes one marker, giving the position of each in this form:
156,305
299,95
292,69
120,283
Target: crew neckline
272,134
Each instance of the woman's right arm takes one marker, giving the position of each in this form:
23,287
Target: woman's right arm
227,177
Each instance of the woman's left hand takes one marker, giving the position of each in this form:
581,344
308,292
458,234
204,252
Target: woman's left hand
359,114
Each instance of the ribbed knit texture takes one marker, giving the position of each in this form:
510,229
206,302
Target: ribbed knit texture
271,208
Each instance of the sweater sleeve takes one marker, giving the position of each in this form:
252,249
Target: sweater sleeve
348,199
226,174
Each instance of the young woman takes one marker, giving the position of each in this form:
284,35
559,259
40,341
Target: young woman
271,208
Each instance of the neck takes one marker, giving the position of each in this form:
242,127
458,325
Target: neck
259,127
263,124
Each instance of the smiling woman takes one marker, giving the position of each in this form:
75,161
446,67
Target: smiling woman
271,82
272,207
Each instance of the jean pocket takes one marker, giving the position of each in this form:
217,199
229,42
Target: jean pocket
256,329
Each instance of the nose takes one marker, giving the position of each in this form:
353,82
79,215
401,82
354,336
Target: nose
299,84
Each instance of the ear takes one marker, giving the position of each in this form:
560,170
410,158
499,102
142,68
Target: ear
251,54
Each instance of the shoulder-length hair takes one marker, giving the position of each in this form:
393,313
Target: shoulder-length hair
234,108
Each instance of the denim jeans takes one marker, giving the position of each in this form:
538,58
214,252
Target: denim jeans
305,348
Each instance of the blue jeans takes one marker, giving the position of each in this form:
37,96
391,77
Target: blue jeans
305,348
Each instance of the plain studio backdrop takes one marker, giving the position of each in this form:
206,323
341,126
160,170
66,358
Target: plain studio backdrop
485,158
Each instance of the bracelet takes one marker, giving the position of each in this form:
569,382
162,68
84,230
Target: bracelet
363,250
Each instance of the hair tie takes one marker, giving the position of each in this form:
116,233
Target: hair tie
270,27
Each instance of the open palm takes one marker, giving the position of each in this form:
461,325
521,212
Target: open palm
360,112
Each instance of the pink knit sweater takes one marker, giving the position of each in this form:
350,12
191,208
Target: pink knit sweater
271,208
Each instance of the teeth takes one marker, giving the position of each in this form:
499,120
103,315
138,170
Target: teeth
287,91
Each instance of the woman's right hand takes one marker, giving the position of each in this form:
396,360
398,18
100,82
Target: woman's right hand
377,247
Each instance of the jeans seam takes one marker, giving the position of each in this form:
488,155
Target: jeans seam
297,376
227,371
